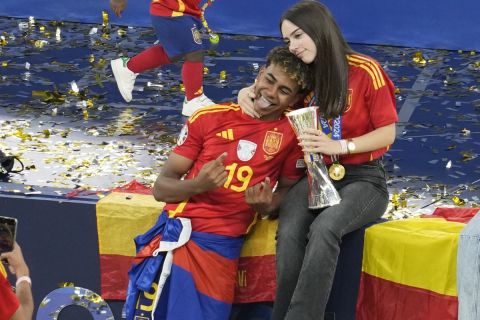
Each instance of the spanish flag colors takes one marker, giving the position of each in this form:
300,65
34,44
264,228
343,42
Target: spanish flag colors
256,277
120,218
123,216
409,270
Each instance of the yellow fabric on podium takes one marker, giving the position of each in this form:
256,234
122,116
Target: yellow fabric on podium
409,270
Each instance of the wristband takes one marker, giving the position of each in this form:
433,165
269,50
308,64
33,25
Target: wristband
23,279
343,145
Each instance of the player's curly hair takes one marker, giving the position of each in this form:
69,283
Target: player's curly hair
293,66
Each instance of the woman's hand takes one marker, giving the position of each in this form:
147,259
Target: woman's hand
315,141
245,100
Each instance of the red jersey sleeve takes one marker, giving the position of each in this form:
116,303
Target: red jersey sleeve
190,140
8,300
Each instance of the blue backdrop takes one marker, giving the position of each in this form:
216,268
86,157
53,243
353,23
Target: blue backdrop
440,24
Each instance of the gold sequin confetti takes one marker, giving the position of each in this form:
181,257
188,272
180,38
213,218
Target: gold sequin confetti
468,155
101,63
104,18
49,96
458,201
40,43
122,32
419,59
66,284
22,135
223,75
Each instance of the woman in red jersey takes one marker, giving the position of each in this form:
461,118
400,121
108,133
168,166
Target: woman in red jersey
357,125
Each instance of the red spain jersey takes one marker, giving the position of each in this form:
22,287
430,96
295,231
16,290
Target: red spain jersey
8,300
370,105
255,149
175,8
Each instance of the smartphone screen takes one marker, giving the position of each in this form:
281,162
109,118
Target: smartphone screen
8,230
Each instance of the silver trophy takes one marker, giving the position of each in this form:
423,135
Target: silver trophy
321,193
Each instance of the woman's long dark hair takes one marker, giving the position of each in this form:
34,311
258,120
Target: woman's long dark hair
330,66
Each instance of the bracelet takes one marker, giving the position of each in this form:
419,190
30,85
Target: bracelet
343,145
23,279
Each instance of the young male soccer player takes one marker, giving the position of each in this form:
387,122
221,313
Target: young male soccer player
186,264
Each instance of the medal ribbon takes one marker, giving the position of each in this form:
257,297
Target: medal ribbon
213,36
335,132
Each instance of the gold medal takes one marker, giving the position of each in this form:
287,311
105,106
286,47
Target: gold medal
336,171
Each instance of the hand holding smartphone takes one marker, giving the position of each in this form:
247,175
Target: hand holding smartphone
8,231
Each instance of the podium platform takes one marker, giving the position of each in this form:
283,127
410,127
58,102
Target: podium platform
59,239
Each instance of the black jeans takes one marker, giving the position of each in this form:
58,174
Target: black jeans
308,241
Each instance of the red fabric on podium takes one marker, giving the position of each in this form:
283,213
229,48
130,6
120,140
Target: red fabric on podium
134,187
462,215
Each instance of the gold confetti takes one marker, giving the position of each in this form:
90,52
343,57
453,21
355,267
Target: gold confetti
395,200
49,96
40,43
101,63
104,18
122,32
223,75
467,155
419,59
93,297
458,201
22,135
66,284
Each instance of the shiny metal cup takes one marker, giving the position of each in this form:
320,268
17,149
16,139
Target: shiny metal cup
321,193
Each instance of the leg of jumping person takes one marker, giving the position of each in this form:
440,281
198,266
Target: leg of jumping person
192,76
126,69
